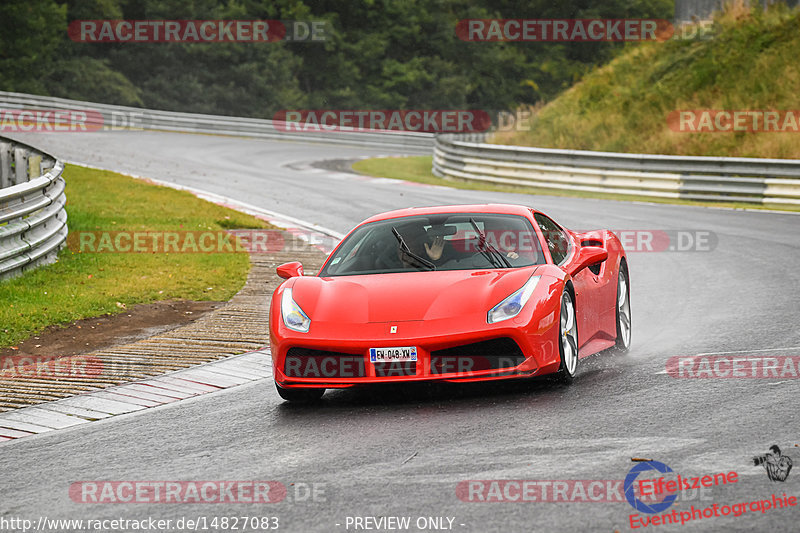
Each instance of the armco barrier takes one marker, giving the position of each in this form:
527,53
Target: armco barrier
33,222
468,157
120,117
762,181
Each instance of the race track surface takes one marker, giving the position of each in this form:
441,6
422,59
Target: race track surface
401,452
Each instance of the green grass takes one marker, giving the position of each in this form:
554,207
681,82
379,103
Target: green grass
84,285
750,63
415,168
418,169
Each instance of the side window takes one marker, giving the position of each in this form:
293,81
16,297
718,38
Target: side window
557,240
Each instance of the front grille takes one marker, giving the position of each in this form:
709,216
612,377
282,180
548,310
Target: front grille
485,355
310,363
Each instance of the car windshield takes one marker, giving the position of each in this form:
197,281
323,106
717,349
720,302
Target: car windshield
464,241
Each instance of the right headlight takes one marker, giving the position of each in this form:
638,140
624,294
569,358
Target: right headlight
293,317
511,306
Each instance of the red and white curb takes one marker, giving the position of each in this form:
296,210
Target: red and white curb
136,396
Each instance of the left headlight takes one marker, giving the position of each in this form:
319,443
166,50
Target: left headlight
511,306
293,317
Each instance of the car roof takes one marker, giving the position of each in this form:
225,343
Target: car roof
499,209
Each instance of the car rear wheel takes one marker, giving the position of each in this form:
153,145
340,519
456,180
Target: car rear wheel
568,339
623,342
300,395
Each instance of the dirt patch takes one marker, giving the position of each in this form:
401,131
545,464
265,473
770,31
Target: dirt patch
91,334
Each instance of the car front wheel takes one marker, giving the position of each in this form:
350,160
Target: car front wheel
568,339
623,311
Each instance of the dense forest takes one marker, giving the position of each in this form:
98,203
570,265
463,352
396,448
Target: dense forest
378,54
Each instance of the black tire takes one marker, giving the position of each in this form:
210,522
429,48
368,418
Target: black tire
567,340
623,310
300,395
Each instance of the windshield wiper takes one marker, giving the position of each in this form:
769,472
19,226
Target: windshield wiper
486,248
406,250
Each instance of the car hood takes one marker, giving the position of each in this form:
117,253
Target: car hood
406,296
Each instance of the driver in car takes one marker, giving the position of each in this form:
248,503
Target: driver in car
427,244
494,231
434,247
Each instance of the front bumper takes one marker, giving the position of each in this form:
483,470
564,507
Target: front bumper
503,351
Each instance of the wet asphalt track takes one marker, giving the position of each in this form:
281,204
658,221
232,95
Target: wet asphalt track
402,452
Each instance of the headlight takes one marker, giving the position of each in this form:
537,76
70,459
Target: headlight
293,316
511,306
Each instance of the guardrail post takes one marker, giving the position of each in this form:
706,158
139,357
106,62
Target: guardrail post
5,165
34,166
20,165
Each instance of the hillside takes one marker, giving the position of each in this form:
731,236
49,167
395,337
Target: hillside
748,63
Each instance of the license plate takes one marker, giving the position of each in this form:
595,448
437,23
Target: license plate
390,355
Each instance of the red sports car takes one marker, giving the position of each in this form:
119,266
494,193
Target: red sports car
453,293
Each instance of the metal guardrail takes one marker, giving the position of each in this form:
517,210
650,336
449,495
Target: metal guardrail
119,117
762,181
468,157
33,222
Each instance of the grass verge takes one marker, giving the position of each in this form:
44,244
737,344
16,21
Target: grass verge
418,169
85,285
747,62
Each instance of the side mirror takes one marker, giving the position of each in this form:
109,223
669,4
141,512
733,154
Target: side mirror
587,256
290,270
